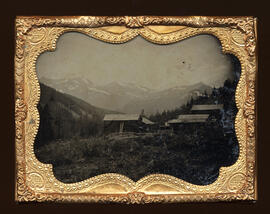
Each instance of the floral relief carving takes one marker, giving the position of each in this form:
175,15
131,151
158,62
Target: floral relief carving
35,180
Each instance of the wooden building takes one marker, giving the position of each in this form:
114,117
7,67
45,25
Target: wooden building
213,110
206,108
120,123
188,121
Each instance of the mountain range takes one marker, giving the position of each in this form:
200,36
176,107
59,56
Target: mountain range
127,97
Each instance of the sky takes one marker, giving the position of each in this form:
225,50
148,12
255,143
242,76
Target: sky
159,67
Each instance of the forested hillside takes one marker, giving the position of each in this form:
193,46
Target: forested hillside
63,116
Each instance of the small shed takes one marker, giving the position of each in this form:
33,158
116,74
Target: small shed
148,125
147,121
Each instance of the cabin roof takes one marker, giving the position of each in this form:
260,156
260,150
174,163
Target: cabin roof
190,118
206,107
146,121
121,117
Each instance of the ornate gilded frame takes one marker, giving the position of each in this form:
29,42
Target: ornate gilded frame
35,181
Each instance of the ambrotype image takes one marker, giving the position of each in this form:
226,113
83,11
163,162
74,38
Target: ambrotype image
137,108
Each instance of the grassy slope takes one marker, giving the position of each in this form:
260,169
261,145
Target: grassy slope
138,155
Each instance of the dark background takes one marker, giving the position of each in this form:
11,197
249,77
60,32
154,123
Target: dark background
9,9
